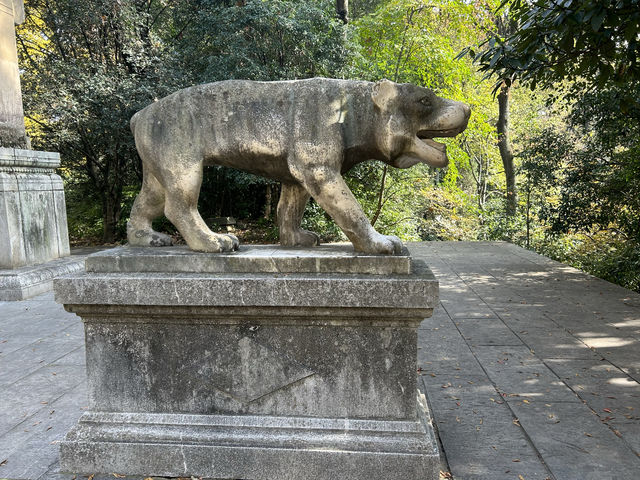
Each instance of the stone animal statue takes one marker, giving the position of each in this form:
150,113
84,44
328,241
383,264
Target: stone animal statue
304,133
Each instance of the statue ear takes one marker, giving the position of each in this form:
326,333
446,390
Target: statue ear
383,92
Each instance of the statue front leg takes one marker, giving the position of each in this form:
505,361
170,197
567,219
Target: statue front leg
328,188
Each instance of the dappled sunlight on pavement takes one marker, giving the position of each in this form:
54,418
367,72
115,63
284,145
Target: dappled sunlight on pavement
531,366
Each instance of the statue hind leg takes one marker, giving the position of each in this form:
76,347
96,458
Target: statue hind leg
293,200
148,205
182,188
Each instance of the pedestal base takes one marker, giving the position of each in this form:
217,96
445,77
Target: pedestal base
252,447
256,365
26,282
33,216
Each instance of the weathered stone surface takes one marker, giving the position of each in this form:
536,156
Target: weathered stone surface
25,282
251,375
250,364
248,259
12,133
303,133
414,292
33,221
260,448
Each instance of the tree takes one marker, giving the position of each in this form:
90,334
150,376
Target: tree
588,51
417,42
255,40
591,42
99,64
505,27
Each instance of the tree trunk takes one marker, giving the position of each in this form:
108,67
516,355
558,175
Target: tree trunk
268,201
506,153
342,9
111,210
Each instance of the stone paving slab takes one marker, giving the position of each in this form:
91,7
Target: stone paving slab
512,326
554,349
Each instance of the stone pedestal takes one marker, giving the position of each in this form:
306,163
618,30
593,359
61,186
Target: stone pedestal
33,224
268,363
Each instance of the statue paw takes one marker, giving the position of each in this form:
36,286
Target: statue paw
148,238
231,243
381,244
306,238
214,243
300,238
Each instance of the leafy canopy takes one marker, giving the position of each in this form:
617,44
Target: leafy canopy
591,42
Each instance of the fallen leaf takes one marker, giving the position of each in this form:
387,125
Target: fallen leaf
117,475
525,401
48,428
3,462
90,477
520,477
617,432
608,410
516,422
516,460
588,434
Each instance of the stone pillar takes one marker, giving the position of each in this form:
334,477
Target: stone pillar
33,217
265,364
12,133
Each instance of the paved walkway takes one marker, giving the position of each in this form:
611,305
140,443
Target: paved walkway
531,369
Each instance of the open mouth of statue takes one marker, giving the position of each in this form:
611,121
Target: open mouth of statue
427,136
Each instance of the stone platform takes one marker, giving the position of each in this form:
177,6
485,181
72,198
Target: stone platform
26,282
257,364
33,224
511,326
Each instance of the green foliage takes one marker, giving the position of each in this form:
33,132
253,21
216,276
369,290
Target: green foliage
394,212
258,40
89,67
593,42
584,187
446,214
317,220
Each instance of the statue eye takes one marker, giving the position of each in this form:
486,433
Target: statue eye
426,102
